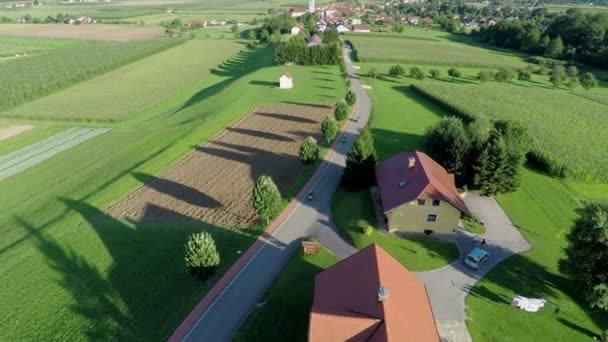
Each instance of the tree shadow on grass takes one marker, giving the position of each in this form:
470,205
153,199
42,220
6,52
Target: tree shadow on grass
268,84
244,63
285,117
316,105
117,303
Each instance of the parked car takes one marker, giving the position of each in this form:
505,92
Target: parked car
476,258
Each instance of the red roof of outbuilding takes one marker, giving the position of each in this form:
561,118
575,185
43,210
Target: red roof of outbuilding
346,307
426,180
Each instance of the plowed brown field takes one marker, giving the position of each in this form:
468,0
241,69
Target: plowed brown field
214,183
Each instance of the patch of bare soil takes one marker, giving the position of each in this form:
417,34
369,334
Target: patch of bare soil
85,32
215,182
13,130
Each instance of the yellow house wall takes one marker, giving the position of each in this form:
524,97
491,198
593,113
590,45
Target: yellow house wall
411,217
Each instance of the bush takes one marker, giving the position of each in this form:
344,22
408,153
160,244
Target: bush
309,151
367,230
558,76
588,81
417,73
202,257
350,98
504,75
266,198
373,73
329,127
396,71
341,110
434,73
484,76
454,73
524,75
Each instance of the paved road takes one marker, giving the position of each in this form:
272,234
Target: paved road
232,306
448,286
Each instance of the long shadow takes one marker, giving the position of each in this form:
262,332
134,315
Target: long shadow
265,83
177,190
115,303
241,65
285,117
578,328
260,134
323,79
315,105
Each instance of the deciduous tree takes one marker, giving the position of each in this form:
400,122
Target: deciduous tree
341,110
309,151
416,73
588,81
329,127
447,142
454,73
434,73
396,71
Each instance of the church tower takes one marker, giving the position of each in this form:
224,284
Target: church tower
311,6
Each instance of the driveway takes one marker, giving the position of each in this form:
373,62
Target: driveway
448,286
222,317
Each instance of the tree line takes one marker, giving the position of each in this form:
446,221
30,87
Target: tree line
574,36
296,51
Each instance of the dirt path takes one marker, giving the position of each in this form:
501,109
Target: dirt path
13,130
214,183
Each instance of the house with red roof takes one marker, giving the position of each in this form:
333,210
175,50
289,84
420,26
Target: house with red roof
370,296
418,195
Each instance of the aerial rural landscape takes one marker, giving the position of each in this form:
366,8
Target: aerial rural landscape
301,170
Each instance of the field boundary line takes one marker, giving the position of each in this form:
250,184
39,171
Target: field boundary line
211,296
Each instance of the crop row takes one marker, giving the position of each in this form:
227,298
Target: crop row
568,131
29,78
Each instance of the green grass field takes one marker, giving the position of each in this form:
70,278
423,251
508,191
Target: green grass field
29,78
543,209
429,47
132,89
284,316
82,275
354,211
40,131
564,126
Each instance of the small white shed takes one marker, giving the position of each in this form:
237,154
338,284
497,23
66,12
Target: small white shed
286,81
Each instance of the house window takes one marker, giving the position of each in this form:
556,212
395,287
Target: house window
421,202
431,218
436,203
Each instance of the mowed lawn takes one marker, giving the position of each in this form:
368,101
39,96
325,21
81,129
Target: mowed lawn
543,209
284,315
354,211
417,45
134,88
79,274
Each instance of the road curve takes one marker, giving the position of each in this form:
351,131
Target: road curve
226,312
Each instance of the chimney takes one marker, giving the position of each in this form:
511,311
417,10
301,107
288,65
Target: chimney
411,162
382,294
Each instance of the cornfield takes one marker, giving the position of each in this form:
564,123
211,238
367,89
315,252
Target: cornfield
569,132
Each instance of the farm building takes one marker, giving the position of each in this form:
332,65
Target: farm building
342,29
297,12
362,28
369,296
314,40
81,20
286,81
418,195
295,30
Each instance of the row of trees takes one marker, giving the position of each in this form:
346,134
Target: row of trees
296,51
481,155
558,76
574,36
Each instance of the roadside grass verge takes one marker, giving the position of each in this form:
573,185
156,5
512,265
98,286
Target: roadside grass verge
284,314
134,88
353,211
134,271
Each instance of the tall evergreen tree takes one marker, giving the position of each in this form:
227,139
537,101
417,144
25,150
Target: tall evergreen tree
491,166
360,163
447,142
